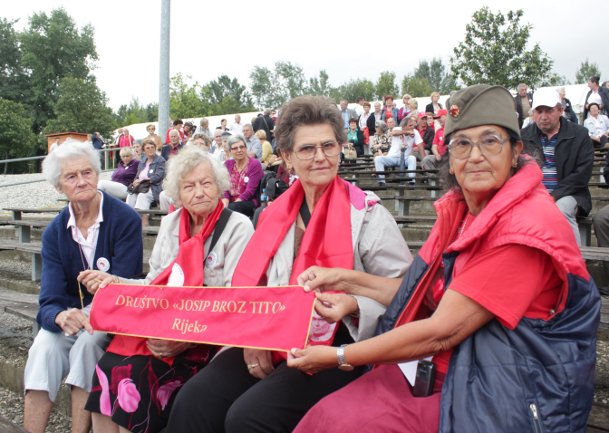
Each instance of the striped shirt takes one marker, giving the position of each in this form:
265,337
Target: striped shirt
550,175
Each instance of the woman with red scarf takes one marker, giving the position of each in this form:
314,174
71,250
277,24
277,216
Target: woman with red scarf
137,379
320,219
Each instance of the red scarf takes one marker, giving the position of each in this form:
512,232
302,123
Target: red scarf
186,270
326,242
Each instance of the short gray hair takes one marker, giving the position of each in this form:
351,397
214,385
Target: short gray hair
184,162
235,139
69,149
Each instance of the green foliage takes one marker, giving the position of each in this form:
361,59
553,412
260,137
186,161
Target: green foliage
429,77
553,79
354,89
320,86
495,52
53,48
137,113
16,136
274,88
226,95
416,86
81,107
585,71
386,85
184,98
12,77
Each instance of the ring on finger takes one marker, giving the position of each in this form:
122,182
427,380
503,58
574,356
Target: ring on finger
252,366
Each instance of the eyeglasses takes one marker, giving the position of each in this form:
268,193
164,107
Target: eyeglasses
308,151
461,147
235,148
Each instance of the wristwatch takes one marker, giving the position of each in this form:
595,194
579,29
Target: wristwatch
342,362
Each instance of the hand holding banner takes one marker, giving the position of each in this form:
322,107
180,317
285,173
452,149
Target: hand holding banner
274,318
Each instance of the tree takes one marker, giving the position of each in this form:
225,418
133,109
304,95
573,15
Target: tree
16,136
429,77
320,86
185,99
12,76
226,95
81,107
354,89
53,48
261,79
274,88
136,113
416,86
495,52
585,71
386,85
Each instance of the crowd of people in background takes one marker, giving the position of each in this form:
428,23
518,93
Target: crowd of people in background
503,160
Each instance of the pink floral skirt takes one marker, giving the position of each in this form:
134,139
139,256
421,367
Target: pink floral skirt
137,392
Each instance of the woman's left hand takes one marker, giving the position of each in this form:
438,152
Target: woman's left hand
334,306
166,349
95,280
313,359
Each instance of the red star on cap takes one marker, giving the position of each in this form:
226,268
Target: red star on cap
454,111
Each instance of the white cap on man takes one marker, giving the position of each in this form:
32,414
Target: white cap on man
545,97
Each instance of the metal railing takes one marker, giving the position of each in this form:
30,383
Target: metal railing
108,162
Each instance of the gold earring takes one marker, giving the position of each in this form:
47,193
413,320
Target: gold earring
515,164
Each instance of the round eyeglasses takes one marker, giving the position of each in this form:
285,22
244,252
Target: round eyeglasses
461,147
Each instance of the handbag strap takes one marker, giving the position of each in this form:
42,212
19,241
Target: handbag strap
220,224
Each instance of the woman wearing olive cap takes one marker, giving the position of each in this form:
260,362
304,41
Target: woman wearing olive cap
499,297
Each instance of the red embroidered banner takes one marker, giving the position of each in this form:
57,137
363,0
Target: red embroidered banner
276,318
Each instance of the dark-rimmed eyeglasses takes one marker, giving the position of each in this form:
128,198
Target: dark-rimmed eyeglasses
308,151
461,147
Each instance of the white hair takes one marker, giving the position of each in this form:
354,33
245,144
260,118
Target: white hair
184,162
69,149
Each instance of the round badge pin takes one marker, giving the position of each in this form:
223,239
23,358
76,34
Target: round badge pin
211,260
103,264
246,179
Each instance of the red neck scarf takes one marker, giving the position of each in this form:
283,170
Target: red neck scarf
326,242
186,270
190,259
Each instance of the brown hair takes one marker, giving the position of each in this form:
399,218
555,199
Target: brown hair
307,110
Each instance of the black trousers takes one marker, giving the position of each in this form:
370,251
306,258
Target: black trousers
225,397
245,207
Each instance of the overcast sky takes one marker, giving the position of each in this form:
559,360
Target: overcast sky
349,39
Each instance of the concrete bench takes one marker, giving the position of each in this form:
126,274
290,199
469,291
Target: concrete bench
34,248
405,220
17,212
402,203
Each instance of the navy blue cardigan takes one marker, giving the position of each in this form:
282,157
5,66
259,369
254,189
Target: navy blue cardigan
120,242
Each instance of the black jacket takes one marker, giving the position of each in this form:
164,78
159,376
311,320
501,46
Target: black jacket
429,108
574,158
371,124
266,123
521,115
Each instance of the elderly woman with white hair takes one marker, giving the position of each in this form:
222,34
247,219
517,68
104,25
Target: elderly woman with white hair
95,231
199,244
